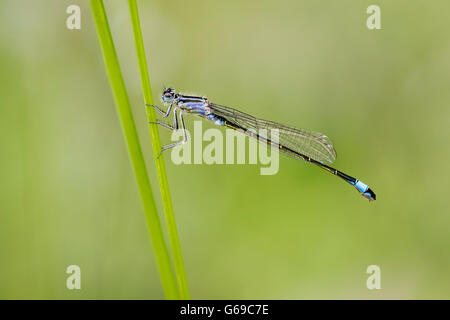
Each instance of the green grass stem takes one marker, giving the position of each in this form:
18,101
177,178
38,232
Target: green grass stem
156,143
122,102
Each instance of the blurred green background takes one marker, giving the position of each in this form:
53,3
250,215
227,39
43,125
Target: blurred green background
68,194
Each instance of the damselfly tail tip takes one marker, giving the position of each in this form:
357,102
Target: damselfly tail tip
365,191
370,195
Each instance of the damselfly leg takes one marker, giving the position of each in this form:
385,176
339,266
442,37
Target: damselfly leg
165,125
175,125
172,145
165,114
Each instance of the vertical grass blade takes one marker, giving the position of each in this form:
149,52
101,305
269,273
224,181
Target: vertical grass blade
160,168
134,149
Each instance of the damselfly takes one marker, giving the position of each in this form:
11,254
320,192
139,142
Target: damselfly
301,144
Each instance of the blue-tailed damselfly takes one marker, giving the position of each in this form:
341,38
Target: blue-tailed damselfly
301,144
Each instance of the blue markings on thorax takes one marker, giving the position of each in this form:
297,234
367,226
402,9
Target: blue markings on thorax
194,105
199,105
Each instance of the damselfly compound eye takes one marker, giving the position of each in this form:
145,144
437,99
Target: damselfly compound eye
168,95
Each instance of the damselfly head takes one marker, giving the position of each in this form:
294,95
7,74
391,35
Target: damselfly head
168,95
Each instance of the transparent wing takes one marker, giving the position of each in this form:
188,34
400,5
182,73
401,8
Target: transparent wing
312,144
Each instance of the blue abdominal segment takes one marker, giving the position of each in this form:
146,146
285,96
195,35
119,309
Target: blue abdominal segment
365,190
361,186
